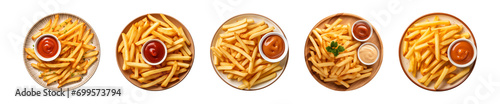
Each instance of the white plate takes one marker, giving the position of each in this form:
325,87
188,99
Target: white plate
28,43
405,63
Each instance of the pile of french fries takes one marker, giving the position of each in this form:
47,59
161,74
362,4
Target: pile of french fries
178,53
343,69
76,54
236,53
425,44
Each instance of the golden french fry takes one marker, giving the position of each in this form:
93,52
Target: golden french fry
431,23
258,34
74,79
138,65
156,81
169,23
459,75
172,72
225,27
441,77
149,30
90,54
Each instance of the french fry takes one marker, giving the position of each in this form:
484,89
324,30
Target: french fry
169,23
172,72
125,47
225,27
168,40
138,65
155,82
145,79
232,59
183,35
156,71
58,65
258,34
149,30
78,58
92,60
157,21
71,31
436,47
252,26
441,77
431,23
167,31
344,62
238,50
239,27
142,41
90,54
74,79
459,75
31,52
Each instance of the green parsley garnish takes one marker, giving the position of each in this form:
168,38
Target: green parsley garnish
335,48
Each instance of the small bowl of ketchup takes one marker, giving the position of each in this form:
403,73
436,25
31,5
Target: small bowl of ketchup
154,52
361,30
273,47
47,47
462,53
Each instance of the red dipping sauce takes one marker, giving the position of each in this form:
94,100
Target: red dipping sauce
154,51
362,30
47,46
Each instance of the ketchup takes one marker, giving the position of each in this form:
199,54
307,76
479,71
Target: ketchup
47,47
361,30
154,51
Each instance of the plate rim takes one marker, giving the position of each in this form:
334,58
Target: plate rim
420,85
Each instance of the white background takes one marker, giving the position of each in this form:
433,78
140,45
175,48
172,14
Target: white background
296,19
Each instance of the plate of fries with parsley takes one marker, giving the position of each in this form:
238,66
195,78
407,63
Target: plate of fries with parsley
343,52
